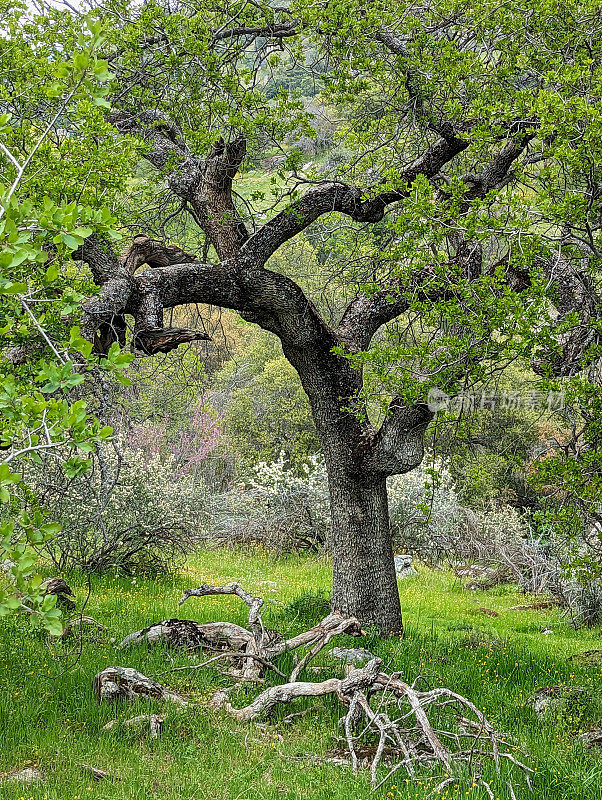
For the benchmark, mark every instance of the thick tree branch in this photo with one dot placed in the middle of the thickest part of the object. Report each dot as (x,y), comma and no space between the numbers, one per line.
(205,183)
(265,703)
(164,139)
(211,197)
(361,205)
(278,30)
(398,446)
(366,314)
(576,295)
(99,256)
(155,254)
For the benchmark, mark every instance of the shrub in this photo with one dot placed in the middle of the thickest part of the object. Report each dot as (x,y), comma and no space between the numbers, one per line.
(581,596)
(424,512)
(284,508)
(277,507)
(128,513)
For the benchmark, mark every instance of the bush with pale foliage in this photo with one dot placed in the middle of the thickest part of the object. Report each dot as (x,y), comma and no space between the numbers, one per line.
(130,513)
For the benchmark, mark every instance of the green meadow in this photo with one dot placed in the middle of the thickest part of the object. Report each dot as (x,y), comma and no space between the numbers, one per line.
(49,718)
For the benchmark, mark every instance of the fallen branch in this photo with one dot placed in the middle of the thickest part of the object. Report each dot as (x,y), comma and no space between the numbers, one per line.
(154,722)
(79,622)
(97,774)
(387,720)
(265,703)
(188,635)
(400,726)
(255,603)
(256,647)
(328,628)
(124,683)
(231,654)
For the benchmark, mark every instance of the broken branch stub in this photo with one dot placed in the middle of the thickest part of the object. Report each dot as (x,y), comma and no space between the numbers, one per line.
(163,340)
(124,683)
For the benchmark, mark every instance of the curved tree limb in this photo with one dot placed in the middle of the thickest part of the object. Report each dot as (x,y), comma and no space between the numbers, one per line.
(265,703)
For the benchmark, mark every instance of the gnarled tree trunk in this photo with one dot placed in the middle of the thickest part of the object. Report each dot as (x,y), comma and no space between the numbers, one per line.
(358,459)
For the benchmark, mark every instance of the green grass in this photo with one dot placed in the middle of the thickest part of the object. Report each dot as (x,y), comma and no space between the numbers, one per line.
(49,717)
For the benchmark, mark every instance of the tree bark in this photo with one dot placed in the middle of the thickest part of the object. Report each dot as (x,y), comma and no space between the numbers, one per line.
(364,580)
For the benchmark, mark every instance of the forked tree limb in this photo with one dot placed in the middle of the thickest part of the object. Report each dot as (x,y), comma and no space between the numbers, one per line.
(254,603)
(256,626)
(333,622)
(343,626)
(417,743)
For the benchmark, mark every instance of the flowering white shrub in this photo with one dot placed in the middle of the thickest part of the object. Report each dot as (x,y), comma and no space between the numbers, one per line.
(284,508)
(128,513)
(277,507)
(423,508)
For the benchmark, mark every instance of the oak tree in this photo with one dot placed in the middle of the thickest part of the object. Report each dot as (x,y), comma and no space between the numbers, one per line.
(466,216)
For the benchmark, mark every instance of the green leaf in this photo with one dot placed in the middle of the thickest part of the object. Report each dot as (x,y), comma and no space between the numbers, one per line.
(52,623)
(72,242)
(52,273)
(48,603)
(8,287)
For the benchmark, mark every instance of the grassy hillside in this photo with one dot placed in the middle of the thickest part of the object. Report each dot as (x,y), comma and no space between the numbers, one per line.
(49,718)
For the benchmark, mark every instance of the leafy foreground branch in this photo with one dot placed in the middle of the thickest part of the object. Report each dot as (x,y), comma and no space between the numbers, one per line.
(386,723)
